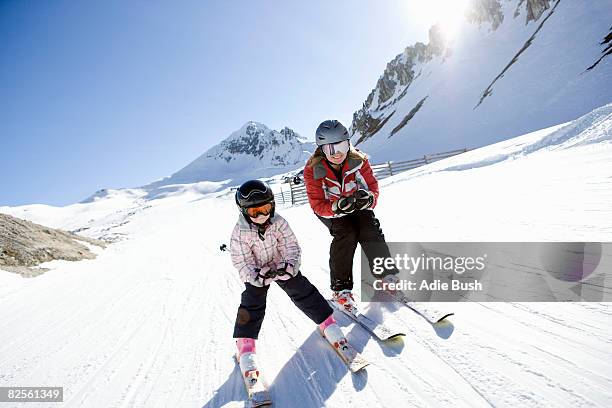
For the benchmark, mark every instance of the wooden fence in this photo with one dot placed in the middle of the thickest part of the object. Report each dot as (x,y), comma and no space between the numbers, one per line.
(391,168)
(284,197)
(297,192)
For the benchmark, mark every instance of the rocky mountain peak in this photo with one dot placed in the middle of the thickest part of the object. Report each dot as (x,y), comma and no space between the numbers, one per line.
(404,69)
(395,81)
(255,139)
(254,150)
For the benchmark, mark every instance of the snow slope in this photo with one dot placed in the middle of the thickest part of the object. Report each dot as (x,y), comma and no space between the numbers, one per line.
(534,75)
(148,323)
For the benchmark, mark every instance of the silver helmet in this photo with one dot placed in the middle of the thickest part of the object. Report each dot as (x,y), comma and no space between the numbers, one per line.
(331,131)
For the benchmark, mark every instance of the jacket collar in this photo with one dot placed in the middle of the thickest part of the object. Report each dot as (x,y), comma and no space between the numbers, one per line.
(321,169)
(244,225)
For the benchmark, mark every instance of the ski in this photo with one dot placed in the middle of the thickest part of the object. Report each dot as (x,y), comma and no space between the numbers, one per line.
(379,330)
(256,388)
(336,339)
(431,314)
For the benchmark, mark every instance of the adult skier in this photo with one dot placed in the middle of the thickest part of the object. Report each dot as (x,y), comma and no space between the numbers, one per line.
(343,191)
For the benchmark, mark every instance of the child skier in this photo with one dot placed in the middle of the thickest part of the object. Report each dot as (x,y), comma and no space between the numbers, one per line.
(265,250)
(342,192)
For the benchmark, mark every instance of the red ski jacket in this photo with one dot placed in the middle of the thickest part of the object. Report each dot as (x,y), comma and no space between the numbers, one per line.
(323,188)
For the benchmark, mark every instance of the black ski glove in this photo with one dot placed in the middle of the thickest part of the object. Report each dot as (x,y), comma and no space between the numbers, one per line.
(259,277)
(265,275)
(344,205)
(363,199)
(286,268)
(285,271)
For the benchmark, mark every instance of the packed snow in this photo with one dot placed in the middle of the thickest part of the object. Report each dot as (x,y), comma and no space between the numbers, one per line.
(149,322)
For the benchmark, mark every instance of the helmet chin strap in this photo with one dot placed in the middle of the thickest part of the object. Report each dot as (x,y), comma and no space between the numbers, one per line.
(261,228)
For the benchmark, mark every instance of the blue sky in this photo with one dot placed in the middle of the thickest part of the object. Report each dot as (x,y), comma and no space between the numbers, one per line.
(111,94)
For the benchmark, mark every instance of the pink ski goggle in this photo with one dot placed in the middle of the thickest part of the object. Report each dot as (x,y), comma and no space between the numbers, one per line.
(332,148)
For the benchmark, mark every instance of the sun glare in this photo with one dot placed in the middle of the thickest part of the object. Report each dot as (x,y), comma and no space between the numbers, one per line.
(452,14)
(448,14)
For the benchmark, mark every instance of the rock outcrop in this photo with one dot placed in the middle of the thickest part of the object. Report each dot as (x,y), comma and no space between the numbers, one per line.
(24,245)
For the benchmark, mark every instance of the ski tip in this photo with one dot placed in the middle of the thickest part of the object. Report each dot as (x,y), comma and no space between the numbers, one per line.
(260,399)
(443,318)
(261,404)
(444,328)
(357,366)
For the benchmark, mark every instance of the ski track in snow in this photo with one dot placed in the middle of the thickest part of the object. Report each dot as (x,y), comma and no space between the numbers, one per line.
(149,322)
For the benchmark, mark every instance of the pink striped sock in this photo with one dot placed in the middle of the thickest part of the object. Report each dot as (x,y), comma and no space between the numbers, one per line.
(328,322)
(245,345)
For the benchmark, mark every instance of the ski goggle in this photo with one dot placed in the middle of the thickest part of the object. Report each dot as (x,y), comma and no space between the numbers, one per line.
(332,148)
(264,209)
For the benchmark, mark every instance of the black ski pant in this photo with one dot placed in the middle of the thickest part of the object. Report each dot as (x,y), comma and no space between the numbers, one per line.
(359,227)
(253,304)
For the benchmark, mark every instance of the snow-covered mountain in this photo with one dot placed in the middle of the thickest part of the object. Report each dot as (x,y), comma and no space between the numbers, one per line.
(515,66)
(254,150)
